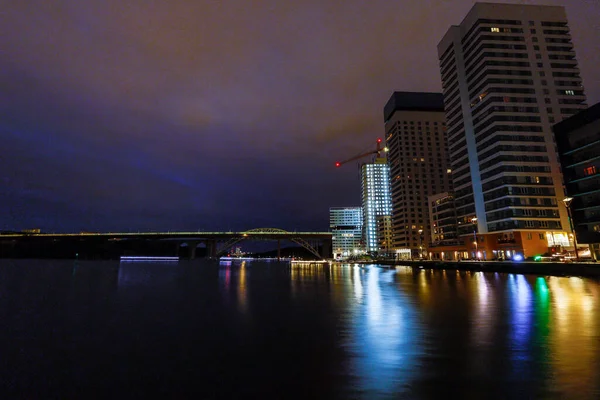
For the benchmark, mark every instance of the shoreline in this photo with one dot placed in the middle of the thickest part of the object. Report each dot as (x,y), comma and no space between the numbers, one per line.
(588,270)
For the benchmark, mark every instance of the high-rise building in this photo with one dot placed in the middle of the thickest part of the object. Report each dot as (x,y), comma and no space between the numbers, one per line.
(578,139)
(384,233)
(376,199)
(509,73)
(443,220)
(346,224)
(419,166)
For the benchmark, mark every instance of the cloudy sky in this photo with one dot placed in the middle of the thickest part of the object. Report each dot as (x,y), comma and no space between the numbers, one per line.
(191,114)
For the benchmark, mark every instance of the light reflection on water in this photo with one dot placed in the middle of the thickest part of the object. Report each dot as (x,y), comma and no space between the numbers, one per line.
(384,338)
(244,329)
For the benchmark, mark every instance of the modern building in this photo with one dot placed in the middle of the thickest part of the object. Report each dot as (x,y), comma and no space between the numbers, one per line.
(375,177)
(445,242)
(419,165)
(384,234)
(578,139)
(509,73)
(346,225)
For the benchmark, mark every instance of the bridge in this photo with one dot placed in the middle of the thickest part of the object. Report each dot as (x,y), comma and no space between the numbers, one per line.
(217,243)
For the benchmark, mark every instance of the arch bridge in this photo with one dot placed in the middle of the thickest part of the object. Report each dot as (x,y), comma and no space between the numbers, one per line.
(272,234)
(217,243)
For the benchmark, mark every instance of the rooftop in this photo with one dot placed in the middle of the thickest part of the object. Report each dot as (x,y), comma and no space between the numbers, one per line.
(413,101)
(582,118)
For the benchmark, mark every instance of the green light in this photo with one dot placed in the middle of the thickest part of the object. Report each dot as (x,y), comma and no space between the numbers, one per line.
(541,284)
(537,258)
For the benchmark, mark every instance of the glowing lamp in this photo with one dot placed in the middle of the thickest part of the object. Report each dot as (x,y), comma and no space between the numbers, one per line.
(338,164)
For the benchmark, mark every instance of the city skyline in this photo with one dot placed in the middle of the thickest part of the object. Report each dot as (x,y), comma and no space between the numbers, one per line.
(207,117)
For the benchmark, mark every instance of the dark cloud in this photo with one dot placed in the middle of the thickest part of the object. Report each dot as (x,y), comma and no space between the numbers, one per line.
(189,114)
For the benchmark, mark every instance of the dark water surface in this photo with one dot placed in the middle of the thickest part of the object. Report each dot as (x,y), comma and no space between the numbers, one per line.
(267,330)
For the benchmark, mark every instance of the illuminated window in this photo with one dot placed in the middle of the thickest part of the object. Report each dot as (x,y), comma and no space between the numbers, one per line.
(494,29)
(570,92)
(589,170)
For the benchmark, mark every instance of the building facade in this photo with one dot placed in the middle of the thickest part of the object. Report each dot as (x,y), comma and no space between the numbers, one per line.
(509,73)
(376,199)
(346,225)
(445,242)
(578,140)
(384,234)
(419,165)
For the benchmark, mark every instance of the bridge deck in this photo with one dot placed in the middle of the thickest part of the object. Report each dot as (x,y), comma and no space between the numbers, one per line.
(170,235)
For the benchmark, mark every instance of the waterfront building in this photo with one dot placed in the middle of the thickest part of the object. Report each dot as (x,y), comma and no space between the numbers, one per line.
(419,165)
(346,225)
(578,139)
(445,242)
(384,233)
(509,72)
(375,178)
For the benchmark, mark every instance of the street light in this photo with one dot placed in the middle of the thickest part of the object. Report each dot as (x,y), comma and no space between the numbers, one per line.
(421,243)
(567,201)
(474,220)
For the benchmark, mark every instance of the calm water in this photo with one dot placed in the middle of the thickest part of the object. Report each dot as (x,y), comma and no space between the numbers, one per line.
(252,330)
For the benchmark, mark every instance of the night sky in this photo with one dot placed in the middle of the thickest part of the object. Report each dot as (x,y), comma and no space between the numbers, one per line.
(211,115)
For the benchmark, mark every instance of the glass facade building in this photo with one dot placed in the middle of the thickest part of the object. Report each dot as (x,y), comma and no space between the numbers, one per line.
(346,225)
(578,141)
(376,199)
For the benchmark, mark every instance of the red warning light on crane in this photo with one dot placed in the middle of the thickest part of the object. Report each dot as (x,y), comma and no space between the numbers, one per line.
(379,140)
(338,164)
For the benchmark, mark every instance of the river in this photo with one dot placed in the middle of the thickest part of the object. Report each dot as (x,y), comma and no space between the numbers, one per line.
(209,330)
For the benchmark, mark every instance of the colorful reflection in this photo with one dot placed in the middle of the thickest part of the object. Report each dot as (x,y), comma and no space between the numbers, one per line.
(521,325)
(397,324)
(544,329)
(485,302)
(385,334)
(242,291)
(575,333)
(233,276)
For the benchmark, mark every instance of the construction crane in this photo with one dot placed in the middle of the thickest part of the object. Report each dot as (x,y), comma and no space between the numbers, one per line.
(377,151)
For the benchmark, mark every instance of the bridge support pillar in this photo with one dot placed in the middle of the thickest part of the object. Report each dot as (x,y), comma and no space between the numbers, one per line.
(278,250)
(211,248)
(192,250)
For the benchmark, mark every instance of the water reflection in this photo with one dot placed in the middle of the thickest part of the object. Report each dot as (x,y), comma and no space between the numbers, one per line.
(385,335)
(521,325)
(575,334)
(242,293)
(327,331)
(233,276)
(483,323)
(357,283)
